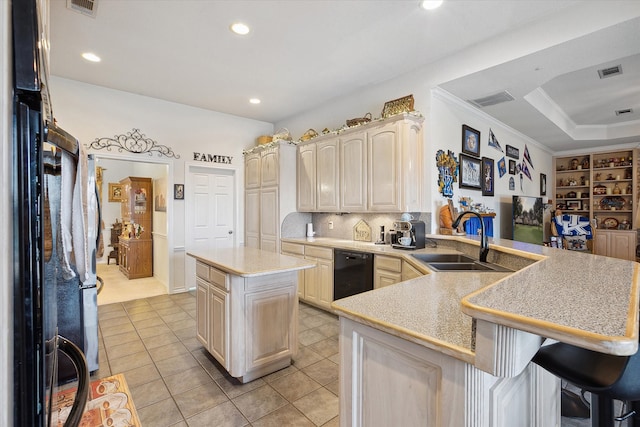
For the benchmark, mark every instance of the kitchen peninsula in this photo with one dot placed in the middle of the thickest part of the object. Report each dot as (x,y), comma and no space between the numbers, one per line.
(247,308)
(454,348)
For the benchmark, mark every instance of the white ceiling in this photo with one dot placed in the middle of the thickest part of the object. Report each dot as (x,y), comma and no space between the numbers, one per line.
(301,54)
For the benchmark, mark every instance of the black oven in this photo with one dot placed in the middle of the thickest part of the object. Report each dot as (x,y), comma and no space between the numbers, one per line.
(352,273)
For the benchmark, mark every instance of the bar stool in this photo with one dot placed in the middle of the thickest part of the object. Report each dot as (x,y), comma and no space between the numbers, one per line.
(607,377)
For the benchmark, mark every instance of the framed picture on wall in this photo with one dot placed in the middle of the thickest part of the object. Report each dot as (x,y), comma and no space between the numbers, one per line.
(115,192)
(470,141)
(543,184)
(512,167)
(470,172)
(178,191)
(488,176)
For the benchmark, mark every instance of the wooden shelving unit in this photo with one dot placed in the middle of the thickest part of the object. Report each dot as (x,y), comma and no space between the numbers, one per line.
(603,187)
(135,252)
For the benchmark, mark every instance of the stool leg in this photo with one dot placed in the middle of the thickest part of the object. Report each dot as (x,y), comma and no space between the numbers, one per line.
(601,411)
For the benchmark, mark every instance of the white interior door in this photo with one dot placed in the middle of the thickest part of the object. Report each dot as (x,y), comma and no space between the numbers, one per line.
(213,224)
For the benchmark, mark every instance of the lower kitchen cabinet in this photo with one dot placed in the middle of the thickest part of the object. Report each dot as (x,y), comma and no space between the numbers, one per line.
(387,271)
(248,324)
(616,243)
(409,271)
(315,285)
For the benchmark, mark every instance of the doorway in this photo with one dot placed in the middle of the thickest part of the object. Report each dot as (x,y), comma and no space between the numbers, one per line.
(115,168)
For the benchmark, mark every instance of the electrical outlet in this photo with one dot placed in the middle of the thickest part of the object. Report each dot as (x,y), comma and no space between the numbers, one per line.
(330,225)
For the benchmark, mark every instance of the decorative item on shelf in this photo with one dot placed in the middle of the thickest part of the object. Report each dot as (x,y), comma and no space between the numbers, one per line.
(561,168)
(616,189)
(585,163)
(612,203)
(137,230)
(610,223)
(559,196)
(397,106)
(610,177)
(359,120)
(561,183)
(571,182)
(574,164)
(600,190)
(325,131)
(598,177)
(310,134)
(627,174)
(571,195)
(629,189)
(264,139)
(624,225)
(282,134)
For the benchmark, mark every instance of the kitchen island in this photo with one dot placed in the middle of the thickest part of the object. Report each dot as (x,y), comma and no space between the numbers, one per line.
(454,348)
(247,308)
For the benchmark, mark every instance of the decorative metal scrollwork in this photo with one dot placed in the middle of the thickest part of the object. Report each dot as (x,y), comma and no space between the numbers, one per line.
(133,142)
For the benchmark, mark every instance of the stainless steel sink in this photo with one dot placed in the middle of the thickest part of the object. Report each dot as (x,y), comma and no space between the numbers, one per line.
(427,258)
(457,262)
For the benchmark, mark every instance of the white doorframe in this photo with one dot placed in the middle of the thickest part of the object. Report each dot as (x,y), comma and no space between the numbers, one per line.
(238,233)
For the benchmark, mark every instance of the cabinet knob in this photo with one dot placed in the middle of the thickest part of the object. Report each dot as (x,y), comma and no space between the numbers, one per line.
(230,231)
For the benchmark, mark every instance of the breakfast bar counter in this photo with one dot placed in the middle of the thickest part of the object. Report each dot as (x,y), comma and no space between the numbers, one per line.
(463,341)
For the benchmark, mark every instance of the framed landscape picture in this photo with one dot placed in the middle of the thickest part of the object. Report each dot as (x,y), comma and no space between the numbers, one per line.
(470,172)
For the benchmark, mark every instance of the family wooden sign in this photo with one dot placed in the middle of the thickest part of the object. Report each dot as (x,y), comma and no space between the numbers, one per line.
(211,158)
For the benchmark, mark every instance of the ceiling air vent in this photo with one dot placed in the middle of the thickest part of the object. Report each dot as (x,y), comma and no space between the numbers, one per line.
(610,72)
(496,98)
(625,111)
(85,7)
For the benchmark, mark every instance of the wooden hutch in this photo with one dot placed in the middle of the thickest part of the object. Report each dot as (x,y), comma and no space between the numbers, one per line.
(135,252)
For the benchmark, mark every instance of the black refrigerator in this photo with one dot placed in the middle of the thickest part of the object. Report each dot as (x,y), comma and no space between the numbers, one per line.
(55,314)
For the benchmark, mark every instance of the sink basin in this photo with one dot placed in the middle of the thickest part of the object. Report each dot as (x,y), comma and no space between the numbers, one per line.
(466,266)
(428,258)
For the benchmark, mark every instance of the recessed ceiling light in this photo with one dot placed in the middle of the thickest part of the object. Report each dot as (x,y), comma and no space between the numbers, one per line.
(240,28)
(431,4)
(91,57)
(254,101)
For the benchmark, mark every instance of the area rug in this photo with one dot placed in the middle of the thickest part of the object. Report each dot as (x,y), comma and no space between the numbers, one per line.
(109,404)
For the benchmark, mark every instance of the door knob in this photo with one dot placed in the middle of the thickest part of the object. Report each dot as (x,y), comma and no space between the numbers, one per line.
(230,231)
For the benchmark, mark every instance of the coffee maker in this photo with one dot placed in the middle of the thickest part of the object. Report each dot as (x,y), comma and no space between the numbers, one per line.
(410,234)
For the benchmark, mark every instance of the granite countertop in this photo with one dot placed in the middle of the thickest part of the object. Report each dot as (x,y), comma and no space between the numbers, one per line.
(587,300)
(250,262)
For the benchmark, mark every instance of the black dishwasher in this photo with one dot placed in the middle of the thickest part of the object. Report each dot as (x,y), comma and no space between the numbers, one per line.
(352,273)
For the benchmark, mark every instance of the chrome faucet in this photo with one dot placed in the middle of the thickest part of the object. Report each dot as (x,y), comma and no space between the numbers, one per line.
(484,246)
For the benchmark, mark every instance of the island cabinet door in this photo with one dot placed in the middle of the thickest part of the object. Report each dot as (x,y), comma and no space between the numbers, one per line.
(219,325)
(271,325)
(202,315)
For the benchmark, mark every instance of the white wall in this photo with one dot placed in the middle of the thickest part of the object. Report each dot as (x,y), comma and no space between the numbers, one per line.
(89,112)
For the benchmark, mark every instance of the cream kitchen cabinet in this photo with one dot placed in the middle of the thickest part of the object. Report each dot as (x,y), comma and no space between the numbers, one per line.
(376,167)
(318,281)
(616,243)
(212,310)
(327,176)
(306,178)
(296,250)
(387,271)
(270,183)
(353,172)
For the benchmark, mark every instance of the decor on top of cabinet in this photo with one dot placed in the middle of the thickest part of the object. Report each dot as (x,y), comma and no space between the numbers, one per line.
(470,141)
(398,106)
(310,134)
(447,165)
(359,120)
(487,176)
(264,139)
(362,231)
(282,134)
(493,142)
(470,172)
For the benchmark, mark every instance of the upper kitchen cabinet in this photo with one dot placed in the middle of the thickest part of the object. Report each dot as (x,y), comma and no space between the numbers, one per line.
(269,193)
(306,178)
(373,167)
